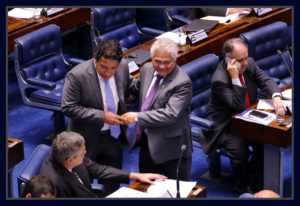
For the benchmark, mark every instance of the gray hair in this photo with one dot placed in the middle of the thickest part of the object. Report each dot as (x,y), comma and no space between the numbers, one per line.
(65,145)
(167,45)
(229,46)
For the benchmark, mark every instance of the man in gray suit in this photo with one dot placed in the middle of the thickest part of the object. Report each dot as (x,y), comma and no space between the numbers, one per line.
(71,172)
(234,87)
(93,99)
(163,123)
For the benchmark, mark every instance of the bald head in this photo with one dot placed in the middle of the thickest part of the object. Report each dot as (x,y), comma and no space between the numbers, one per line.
(266,194)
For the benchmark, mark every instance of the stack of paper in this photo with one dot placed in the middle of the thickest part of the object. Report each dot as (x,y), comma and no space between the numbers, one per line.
(287,94)
(259,120)
(268,104)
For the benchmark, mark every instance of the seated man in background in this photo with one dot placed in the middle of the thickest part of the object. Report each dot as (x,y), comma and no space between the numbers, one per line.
(71,172)
(196,13)
(261,194)
(39,186)
(234,87)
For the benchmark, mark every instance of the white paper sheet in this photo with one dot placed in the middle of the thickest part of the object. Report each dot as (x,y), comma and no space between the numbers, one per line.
(25,13)
(287,94)
(268,103)
(125,192)
(250,118)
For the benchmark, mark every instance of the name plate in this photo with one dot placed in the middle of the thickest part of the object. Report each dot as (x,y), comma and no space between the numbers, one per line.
(51,11)
(197,36)
(262,11)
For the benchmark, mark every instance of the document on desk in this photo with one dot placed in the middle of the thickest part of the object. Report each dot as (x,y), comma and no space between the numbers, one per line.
(125,192)
(169,185)
(247,115)
(223,20)
(170,35)
(287,94)
(25,13)
(268,103)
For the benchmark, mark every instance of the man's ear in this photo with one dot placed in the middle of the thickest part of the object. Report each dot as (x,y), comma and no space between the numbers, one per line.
(28,195)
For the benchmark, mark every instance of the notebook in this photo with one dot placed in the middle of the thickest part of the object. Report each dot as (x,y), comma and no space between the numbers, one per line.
(199,24)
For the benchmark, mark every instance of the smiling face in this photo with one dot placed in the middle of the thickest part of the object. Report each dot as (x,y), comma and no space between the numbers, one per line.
(106,68)
(163,62)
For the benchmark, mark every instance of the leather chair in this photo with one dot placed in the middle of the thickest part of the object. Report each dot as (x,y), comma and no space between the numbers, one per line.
(32,167)
(269,46)
(118,24)
(41,68)
(176,17)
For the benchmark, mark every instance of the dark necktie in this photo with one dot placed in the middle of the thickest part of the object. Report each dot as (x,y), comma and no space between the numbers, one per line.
(248,104)
(146,105)
(77,176)
(110,102)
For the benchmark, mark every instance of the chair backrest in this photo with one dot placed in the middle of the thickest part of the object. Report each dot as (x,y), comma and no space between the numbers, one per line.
(169,13)
(38,54)
(32,166)
(114,23)
(200,71)
(265,44)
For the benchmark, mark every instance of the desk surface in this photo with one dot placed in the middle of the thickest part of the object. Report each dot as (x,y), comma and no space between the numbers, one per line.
(197,192)
(15,152)
(275,133)
(218,35)
(66,19)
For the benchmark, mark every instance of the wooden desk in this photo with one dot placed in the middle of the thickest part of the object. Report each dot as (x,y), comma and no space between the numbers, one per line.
(277,139)
(197,192)
(66,19)
(217,37)
(15,155)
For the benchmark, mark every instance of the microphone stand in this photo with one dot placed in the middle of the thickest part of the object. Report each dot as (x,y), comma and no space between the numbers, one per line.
(183,147)
(281,55)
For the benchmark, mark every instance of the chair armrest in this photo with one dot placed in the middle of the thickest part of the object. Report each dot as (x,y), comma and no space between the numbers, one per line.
(42,83)
(181,20)
(75,61)
(204,123)
(153,32)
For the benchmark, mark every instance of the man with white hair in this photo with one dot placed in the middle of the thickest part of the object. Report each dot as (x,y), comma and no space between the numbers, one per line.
(163,123)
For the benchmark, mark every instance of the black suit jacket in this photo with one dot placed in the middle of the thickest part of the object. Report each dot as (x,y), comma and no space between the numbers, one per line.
(67,185)
(228,99)
(196,13)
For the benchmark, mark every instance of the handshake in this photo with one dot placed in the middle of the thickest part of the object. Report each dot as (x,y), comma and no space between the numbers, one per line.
(114,119)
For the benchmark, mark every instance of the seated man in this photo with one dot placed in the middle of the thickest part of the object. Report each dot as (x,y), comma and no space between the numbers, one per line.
(196,13)
(71,172)
(261,194)
(234,87)
(39,186)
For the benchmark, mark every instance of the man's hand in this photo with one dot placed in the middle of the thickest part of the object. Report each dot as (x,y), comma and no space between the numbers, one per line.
(279,106)
(113,119)
(232,68)
(130,117)
(238,10)
(146,177)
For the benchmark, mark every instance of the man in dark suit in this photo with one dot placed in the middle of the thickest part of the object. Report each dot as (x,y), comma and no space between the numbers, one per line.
(93,99)
(71,172)
(234,88)
(196,13)
(163,123)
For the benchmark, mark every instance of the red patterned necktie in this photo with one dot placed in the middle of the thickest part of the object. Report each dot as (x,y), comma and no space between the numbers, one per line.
(248,104)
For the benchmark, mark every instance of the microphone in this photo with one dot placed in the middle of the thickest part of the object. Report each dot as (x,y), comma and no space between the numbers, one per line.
(288,67)
(183,148)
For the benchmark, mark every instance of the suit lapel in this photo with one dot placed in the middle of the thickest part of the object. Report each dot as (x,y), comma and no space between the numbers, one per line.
(94,82)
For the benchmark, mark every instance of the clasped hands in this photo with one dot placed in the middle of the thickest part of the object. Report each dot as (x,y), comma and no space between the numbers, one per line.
(114,119)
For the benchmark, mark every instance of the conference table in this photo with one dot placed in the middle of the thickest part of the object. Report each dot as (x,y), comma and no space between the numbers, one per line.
(197,192)
(277,139)
(66,19)
(222,32)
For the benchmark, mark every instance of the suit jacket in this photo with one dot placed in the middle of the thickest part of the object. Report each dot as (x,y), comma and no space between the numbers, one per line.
(228,99)
(168,121)
(82,102)
(66,183)
(196,13)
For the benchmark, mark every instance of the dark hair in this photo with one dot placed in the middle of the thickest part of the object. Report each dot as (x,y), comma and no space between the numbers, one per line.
(229,46)
(39,185)
(109,49)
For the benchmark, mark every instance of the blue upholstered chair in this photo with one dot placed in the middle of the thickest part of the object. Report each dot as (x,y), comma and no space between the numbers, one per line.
(32,167)
(41,68)
(176,17)
(265,45)
(118,24)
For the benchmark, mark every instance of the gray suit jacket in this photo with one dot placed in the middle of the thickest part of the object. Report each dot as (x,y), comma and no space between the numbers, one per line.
(82,102)
(67,185)
(168,121)
(228,99)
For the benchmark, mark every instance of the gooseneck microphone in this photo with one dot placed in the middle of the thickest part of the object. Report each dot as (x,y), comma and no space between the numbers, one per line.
(183,148)
(288,67)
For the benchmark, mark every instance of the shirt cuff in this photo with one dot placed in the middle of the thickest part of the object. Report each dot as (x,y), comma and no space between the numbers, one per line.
(236,82)
(276,94)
